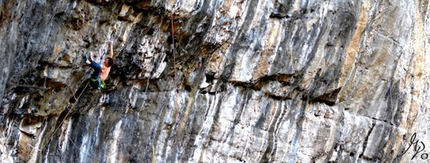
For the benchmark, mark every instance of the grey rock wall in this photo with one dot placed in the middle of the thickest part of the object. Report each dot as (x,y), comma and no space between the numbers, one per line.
(215,81)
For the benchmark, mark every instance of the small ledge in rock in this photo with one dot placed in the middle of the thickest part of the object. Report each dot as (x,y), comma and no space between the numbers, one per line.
(30,125)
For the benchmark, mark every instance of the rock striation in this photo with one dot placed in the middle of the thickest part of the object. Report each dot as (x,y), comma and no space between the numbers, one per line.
(216,81)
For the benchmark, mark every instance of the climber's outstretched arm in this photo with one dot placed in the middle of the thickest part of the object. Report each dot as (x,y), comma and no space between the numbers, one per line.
(111,48)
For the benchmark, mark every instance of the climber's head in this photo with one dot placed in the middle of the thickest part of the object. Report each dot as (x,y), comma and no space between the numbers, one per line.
(108,62)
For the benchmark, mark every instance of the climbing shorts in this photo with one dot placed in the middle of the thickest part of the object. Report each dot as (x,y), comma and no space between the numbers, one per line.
(96,83)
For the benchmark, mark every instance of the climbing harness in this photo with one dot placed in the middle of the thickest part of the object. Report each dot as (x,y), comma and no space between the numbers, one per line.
(96,83)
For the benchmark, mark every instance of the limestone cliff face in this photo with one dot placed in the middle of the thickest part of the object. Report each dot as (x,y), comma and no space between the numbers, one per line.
(216,81)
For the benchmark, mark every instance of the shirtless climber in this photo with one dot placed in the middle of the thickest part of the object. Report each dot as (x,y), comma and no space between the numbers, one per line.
(100,72)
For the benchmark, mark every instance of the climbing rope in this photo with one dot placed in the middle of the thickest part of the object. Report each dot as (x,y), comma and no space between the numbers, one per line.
(62,121)
(73,106)
(176,99)
(173,47)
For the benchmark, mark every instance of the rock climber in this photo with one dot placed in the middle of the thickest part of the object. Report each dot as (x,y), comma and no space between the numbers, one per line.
(100,72)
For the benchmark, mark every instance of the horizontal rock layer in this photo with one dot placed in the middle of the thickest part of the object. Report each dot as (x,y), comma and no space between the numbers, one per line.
(215,81)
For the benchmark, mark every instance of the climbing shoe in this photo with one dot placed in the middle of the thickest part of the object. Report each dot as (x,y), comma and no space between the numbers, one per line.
(86,58)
